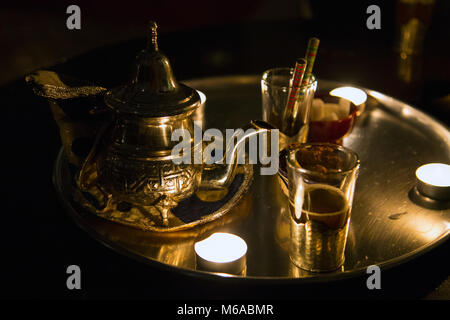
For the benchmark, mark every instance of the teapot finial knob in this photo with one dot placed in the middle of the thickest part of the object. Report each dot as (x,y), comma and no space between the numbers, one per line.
(153,90)
(152,36)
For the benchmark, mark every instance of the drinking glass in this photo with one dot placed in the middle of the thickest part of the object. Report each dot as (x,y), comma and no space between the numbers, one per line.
(275,87)
(322,179)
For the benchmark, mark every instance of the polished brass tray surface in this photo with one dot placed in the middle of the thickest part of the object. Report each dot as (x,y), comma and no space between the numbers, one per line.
(387,227)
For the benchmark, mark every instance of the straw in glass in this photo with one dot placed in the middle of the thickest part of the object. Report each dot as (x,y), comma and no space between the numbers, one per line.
(311,52)
(299,71)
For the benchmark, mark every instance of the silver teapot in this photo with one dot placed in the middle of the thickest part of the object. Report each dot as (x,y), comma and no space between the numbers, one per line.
(131,161)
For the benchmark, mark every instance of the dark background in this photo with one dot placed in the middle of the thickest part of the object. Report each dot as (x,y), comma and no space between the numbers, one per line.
(201,38)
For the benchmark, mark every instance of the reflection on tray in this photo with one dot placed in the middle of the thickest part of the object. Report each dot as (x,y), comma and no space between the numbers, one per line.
(172,248)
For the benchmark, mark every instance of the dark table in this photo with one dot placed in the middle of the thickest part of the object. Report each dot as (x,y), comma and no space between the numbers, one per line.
(42,241)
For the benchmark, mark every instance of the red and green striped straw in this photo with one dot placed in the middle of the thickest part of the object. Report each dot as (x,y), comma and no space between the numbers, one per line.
(299,71)
(311,52)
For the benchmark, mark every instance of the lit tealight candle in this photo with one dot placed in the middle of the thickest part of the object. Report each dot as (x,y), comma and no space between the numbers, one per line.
(434,180)
(355,95)
(221,252)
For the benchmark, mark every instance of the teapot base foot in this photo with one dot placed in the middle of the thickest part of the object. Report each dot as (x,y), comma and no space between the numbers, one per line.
(160,215)
(144,217)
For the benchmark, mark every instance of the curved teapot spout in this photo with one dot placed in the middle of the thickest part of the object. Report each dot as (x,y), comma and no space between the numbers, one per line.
(283,140)
(217,176)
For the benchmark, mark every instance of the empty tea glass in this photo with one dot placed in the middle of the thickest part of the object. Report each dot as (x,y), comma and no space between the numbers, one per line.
(275,87)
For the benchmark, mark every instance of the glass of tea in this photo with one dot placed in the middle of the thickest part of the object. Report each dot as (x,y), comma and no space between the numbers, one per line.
(321,179)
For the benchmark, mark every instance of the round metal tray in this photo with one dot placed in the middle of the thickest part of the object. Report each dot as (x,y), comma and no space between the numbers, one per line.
(388,225)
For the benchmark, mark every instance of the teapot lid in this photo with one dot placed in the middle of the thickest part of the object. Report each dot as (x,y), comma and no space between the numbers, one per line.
(153,90)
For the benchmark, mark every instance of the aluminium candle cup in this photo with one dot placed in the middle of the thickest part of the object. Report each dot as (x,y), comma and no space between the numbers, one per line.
(433,181)
(236,267)
(222,253)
